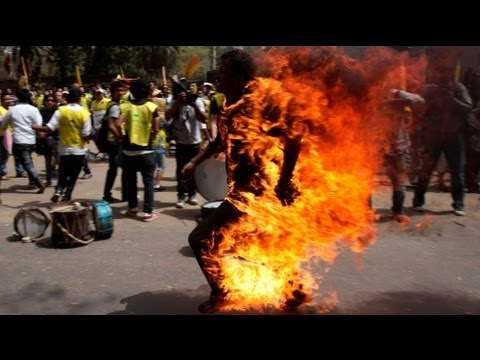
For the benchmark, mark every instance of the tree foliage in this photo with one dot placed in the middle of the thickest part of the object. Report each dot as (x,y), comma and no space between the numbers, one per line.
(105,62)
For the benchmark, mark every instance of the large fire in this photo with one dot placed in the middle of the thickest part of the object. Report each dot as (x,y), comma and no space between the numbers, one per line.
(268,255)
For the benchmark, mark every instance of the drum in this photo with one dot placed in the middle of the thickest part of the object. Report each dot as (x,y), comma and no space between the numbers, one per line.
(211,179)
(209,207)
(103,219)
(71,224)
(31,223)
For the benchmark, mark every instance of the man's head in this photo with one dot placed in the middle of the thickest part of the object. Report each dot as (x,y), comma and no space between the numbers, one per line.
(140,89)
(24,96)
(118,88)
(99,93)
(236,69)
(6,99)
(74,94)
(49,101)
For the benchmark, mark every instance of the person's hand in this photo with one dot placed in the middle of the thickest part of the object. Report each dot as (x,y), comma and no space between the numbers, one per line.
(187,170)
(394,92)
(286,192)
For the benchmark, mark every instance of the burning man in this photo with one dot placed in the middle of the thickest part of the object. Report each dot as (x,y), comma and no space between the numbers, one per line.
(246,164)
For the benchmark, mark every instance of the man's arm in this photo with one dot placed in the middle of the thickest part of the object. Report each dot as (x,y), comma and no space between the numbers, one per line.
(7,119)
(52,124)
(286,190)
(463,100)
(172,111)
(155,125)
(112,117)
(211,149)
(87,129)
(416,101)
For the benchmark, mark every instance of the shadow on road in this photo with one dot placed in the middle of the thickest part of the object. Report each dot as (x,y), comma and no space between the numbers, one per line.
(186,251)
(415,303)
(168,302)
(183,214)
(174,302)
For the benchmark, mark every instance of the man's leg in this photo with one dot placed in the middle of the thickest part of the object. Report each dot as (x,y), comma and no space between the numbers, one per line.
(200,241)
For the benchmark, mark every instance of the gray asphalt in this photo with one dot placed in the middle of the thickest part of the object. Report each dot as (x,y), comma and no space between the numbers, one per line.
(430,266)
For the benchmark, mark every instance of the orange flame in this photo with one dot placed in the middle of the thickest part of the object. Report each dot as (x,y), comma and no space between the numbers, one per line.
(330,100)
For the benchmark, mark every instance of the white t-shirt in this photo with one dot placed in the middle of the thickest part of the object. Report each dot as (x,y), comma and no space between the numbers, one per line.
(22,117)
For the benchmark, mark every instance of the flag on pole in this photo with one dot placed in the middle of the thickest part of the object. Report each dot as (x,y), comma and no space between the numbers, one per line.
(23,81)
(24,68)
(192,66)
(79,78)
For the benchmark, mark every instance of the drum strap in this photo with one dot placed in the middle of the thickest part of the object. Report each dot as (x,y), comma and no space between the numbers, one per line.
(71,236)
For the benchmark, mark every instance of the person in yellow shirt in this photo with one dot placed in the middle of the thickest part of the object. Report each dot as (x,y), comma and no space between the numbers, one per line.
(5,100)
(140,120)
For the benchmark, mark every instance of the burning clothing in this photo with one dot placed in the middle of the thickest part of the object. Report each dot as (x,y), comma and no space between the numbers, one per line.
(254,148)
(258,141)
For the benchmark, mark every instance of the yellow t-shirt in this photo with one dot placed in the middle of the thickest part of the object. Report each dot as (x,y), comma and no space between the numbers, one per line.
(71,126)
(138,121)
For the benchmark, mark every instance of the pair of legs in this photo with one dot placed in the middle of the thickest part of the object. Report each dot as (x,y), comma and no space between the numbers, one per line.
(206,238)
(454,150)
(183,154)
(145,164)
(160,169)
(22,153)
(69,168)
(3,158)
(472,169)
(397,173)
(49,158)
(113,165)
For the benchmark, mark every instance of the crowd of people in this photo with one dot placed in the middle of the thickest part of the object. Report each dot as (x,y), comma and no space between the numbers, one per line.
(60,123)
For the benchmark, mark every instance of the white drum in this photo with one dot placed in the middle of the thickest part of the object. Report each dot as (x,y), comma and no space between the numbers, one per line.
(211,179)
(209,207)
(30,223)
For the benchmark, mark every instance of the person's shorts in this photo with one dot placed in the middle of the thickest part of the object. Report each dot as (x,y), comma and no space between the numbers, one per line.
(160,162)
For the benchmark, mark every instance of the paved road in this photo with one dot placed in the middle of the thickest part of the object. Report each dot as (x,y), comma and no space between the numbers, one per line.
(428,267)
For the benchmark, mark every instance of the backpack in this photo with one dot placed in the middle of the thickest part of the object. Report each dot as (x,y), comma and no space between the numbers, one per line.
(101,135)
